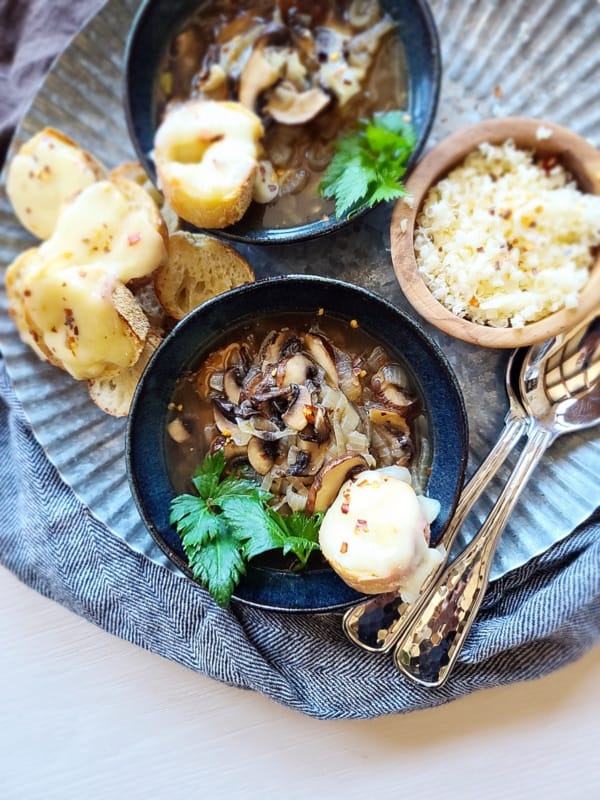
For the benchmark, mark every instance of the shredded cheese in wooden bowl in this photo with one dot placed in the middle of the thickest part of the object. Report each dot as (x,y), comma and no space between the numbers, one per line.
(500,245)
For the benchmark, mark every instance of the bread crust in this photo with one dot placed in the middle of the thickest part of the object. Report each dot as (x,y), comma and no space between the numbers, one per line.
(199,267)
(206,155)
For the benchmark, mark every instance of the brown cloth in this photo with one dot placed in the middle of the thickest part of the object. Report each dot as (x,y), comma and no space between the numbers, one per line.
(32,34)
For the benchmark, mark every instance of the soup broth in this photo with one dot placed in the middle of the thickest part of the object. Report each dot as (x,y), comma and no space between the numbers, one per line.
(318,46)
(285,395)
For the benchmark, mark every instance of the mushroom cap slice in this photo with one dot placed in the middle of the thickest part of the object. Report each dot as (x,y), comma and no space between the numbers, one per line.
(296,415)
(330,479)
(390,418)
(290,107)
(319,350)
(258,74)
(261,455)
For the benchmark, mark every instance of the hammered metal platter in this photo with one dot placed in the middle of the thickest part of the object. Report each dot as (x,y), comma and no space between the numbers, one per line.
(537,59)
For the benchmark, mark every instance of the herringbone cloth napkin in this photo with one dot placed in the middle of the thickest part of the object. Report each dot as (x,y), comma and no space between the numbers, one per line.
(533,621)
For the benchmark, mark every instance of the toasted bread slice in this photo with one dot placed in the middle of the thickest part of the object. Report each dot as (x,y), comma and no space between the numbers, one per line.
(199,268)
(16,274)
(115,224)
(133,171)
(49,169)
(89,322)
(206,158)
(114,395)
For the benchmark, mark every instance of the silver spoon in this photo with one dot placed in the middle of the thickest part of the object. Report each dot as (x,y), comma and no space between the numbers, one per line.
(560,390)
(376,623)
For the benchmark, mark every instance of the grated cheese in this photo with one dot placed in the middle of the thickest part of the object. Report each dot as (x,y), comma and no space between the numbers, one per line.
(503,240)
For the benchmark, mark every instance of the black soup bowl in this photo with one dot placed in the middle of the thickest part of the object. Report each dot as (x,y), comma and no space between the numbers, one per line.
(160,32)
(317,588)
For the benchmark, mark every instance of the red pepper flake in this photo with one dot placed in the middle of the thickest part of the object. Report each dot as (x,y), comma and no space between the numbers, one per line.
(70,322)
(548,163)
(498,91)
(480,249)
(361,526)
(506,214)
(474,302)
(345,508)
(309,414)
(134,238)
(344,547)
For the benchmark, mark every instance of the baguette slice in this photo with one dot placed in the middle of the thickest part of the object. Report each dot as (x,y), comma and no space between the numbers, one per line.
(114,224)
(89,322)
(133,171)
(113,395)
(199,268)
(47,170)
(206,155)
(16,275)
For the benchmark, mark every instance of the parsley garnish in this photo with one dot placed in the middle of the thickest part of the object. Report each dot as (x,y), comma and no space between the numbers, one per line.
(230,522)
(369,163)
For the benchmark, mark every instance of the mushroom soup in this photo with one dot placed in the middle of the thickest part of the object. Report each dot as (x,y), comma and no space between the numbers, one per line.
(310,70)
(301,403)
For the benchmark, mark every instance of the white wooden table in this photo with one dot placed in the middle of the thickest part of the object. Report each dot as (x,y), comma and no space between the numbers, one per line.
(86,716)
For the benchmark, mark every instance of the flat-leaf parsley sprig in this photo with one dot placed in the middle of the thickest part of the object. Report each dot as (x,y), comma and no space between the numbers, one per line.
(230,522)
(369,163)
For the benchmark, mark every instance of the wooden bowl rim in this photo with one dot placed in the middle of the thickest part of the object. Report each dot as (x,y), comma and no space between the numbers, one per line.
(579,156)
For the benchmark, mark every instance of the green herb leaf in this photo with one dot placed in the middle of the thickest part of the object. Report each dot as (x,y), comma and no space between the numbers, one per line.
(219,565)
(230,522)
(369,164)
(298,533)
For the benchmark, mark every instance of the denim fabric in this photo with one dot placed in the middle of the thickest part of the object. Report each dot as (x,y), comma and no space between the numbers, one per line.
(534,620)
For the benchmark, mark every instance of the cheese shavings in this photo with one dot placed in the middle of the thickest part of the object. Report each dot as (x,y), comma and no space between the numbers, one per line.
(504,239)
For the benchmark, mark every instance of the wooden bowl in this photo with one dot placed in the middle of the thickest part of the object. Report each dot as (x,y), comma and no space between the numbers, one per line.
(577,155)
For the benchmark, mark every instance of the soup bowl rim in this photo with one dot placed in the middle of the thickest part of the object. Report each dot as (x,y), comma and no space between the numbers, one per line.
(430,55)
(267,588)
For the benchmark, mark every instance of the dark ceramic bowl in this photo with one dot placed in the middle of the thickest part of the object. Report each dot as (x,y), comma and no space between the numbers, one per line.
(320,588)
(158,21)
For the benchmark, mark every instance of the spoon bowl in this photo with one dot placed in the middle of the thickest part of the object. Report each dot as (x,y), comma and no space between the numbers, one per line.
(560,390)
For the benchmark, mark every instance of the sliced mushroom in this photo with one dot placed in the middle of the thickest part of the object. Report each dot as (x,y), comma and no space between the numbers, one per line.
(309,458)
(231,450)
(262,455)
(347,376)
(290,107)
(319,428)
(226,422)
(232,385)
(258,75)
(296,415)
(331,478)
(386,387)
(389,418)
(320,351)
(276,346)
(294,369)
(218,361)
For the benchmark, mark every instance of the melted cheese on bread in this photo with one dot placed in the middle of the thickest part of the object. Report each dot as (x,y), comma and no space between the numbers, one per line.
(89,321)
(112,224)
(206,154)
(48,170)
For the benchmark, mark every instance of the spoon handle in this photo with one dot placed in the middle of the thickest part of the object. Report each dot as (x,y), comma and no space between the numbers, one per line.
(435,632)
(376,623)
